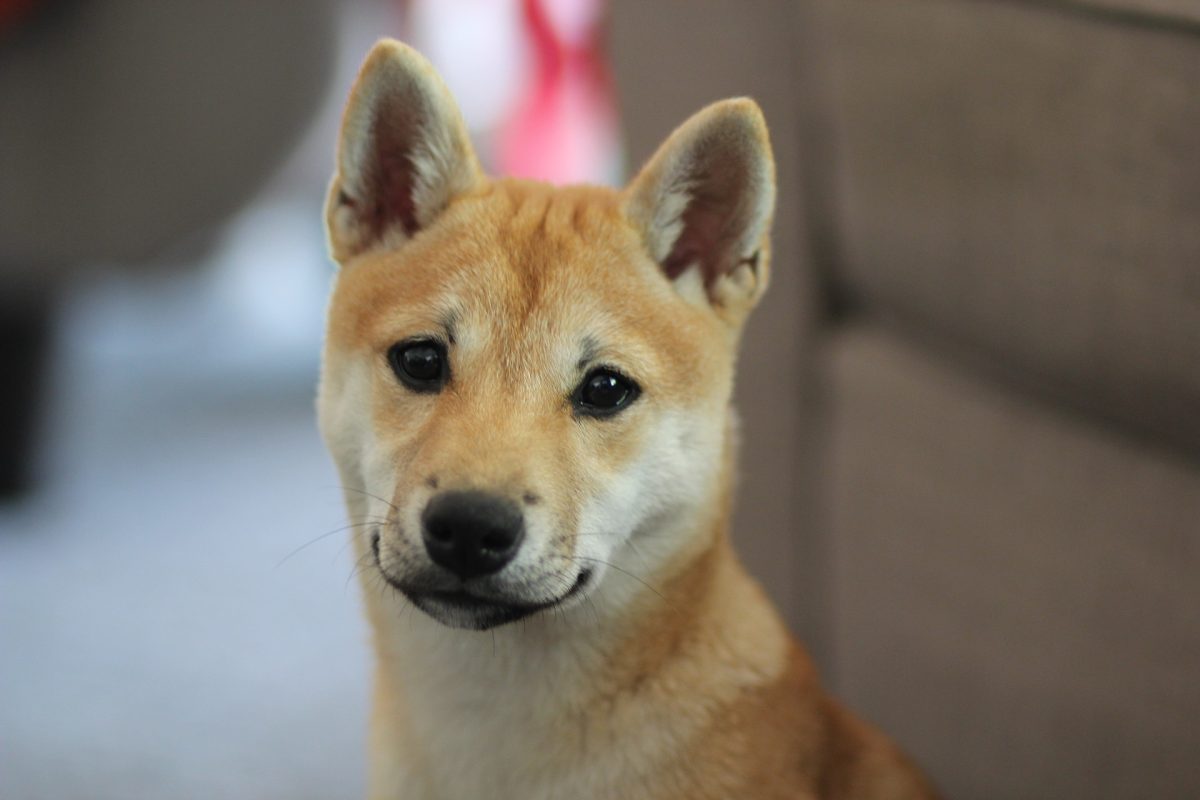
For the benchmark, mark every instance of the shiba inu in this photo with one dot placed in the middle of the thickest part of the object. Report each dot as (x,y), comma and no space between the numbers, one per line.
(527,390)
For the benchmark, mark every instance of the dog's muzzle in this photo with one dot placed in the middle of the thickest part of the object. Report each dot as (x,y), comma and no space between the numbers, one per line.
(469,537)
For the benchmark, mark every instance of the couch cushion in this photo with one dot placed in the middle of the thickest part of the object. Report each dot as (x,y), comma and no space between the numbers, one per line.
(1015,591)
(1024,180)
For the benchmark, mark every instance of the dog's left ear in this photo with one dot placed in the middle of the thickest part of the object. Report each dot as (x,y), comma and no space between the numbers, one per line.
(403,155)
(704,203)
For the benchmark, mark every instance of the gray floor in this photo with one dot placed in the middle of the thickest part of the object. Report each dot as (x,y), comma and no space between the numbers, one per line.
(152,645)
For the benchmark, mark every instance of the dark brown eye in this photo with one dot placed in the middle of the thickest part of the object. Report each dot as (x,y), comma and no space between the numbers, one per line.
(604,392)
(420,365)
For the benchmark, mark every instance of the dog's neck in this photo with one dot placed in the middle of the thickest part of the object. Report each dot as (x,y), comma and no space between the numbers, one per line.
(569,679)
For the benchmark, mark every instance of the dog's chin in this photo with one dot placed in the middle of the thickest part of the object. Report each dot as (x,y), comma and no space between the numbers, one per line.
(464,610)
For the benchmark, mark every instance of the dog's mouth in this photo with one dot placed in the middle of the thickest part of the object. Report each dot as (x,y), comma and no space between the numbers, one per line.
(462,608)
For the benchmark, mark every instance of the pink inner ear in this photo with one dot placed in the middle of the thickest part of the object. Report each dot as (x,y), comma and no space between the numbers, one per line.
(683,256)
(393,190)
(382,191)
(699,242)
(715,214)
(391,176)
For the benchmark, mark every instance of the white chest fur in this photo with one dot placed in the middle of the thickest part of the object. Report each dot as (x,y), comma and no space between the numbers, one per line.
(531,711)
(506,713)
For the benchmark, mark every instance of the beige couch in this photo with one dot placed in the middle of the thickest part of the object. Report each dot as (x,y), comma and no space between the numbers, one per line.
(972,397)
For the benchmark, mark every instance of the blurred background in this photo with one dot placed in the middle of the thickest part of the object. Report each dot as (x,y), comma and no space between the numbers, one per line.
(971,476)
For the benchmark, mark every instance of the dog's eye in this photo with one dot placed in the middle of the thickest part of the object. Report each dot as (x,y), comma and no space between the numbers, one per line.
(604,392)
(420,365)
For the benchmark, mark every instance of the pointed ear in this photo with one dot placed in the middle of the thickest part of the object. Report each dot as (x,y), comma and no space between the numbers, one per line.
(704,202)
(403,154)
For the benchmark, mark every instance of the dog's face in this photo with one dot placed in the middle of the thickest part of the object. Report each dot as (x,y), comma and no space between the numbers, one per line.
(521,382)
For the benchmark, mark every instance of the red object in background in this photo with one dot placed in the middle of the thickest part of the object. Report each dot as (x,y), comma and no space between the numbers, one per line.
(13,11)
(564,129)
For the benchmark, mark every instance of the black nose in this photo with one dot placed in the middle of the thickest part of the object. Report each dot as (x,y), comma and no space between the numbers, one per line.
(472,533)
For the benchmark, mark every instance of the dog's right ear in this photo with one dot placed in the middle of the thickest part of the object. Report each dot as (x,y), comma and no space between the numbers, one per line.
(403,155)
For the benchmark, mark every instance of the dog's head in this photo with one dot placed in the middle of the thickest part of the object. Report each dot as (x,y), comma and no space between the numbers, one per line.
(526,388)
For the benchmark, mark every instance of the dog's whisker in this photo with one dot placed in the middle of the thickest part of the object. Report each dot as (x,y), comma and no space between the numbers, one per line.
(641,557)
(592,606)
(621,570)
(349,541)
(327,534)
(388,503)
(358,569)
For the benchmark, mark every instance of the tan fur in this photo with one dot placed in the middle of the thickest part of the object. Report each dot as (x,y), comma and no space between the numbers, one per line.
(670,675)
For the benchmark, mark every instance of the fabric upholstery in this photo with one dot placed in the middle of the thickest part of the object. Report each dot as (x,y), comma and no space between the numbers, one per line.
(1015,590)
(1023,180)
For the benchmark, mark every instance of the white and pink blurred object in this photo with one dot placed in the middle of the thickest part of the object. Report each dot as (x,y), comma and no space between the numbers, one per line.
(532,81)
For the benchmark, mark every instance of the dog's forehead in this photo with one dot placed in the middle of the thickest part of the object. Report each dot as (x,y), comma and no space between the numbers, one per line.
(544,250)
(518,261)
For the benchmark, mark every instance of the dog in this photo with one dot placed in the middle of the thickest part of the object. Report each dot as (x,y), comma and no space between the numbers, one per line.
(526,390)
